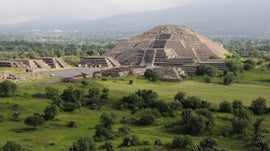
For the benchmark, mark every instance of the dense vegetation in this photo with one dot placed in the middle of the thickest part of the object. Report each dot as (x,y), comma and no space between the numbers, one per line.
(214,110)
(26,49)
(112,114)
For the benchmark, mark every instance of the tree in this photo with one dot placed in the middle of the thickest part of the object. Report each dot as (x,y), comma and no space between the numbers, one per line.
(151,75)
(239,125)
(108,146)
(237,104)
(225,107)
(104,130)
(257,138)
(93,92)
(249,64)
(228,79)
(204,69)
(207,144)
(12,146)
(147,119)
(107,119)
(83,144)
(131,140)
(182,141)
(180,96)
(258,106)
(7,88)
(34,120)
(103,133)
(197,124)
(186,115)
(51,92)
(50,112)
(234,65)
(72,95)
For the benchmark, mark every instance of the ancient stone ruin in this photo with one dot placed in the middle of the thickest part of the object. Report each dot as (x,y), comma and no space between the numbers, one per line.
(34,64)
(33,69)
(168,46)
(98,62)
(177,48)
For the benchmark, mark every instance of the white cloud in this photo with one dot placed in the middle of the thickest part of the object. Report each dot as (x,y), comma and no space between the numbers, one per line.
(12,11)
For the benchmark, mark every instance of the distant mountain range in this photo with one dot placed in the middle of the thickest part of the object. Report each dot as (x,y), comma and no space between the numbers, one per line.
(216,19)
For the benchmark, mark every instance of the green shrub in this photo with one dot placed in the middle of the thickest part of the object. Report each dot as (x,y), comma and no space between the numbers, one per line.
(258,106)
(131,140)
(225,107)
(183,142)
(83,144)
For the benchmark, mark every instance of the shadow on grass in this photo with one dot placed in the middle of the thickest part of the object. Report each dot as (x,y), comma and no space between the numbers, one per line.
(22,130)
(264,80)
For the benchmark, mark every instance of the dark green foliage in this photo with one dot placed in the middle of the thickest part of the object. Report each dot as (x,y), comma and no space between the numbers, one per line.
(240,125)
(208,144)
(131,140)
(2,118)
(214,57)
(180,96)
(148,95)
(151,75)
(234,65)
(204,69)
(11,146)
(104,130)
(104,94)
(197,125)
(146,119)
(132,101)
(34,120)
(83,144)
(72,124)
(192,102)
(249,64)
(242,113)
(107,119)
(93,92)
(84,82)
(157,142)
(258,141)
(225,107)
(124,130)
(207,79)
(69,106)
(50,112)
(237,104)
(130,82)
(183,142)
(72,95)
(141,99)
(103,133)
(7,88)
(186,115)
(208,115)
(258,106)
(108,146)
(51,93)
(165,109)
(228,79)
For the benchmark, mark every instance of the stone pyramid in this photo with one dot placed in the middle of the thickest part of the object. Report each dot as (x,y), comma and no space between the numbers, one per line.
(168,45)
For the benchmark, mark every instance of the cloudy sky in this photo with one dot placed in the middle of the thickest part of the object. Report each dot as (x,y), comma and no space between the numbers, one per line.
(14,11)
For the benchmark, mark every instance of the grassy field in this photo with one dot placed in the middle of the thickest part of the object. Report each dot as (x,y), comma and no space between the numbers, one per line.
(56,136)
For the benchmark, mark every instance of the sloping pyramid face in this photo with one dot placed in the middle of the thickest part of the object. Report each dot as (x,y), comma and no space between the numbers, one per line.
(166,45)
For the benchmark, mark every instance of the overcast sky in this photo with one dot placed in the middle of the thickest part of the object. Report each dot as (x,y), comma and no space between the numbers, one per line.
(14,11)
